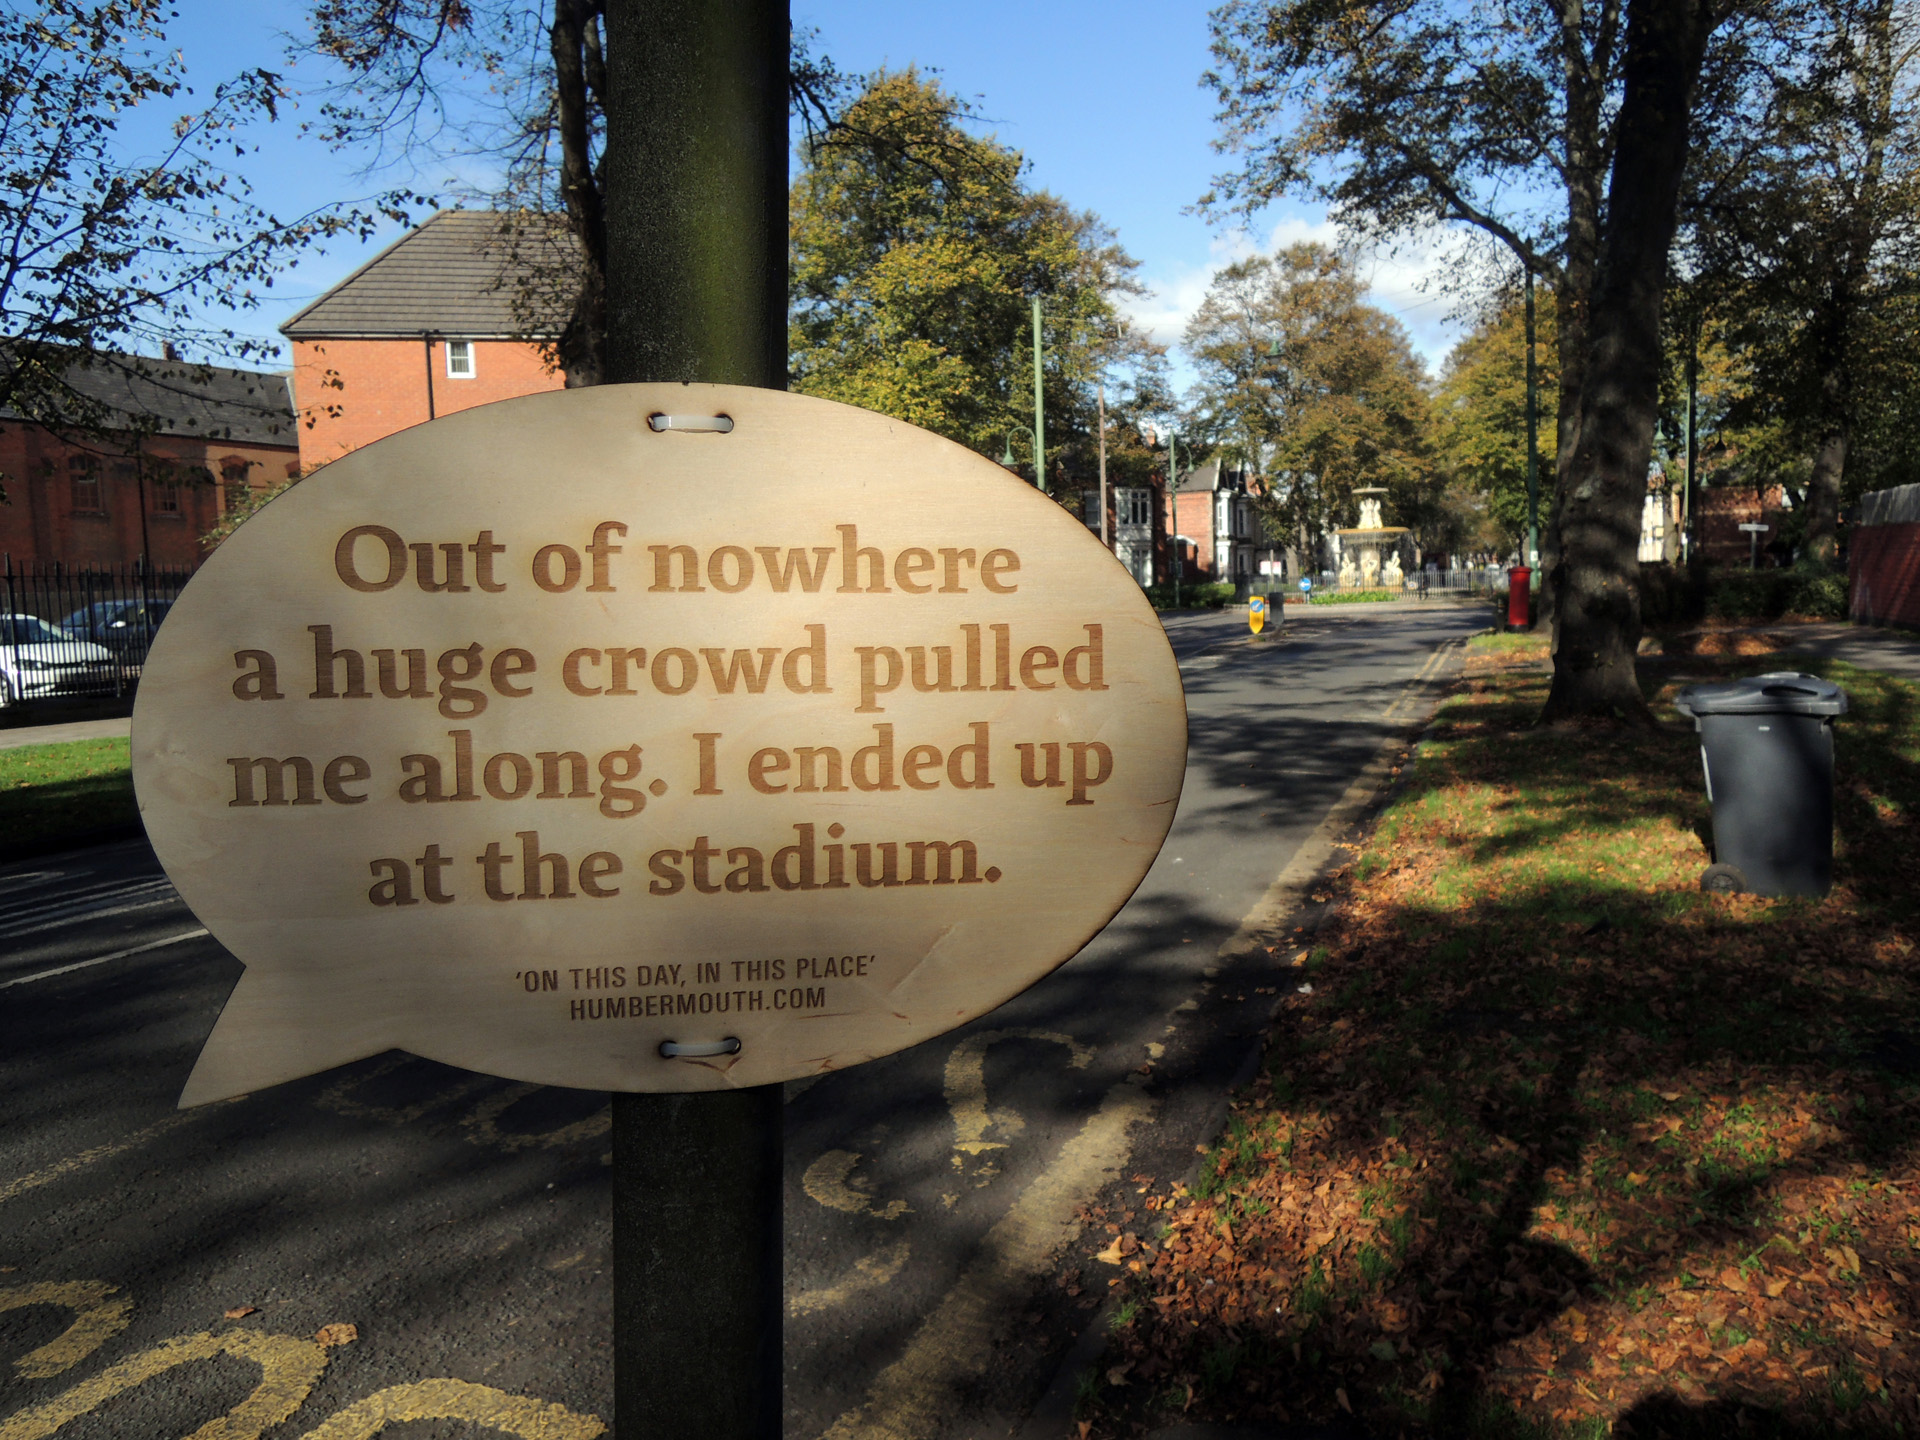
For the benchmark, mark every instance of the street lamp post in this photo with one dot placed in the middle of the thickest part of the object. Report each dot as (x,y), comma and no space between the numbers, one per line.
(1039,406)
(1173,512)
(1100,398)
(1533,439)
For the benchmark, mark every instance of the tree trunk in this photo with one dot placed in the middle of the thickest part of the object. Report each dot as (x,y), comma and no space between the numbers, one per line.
(1823,493)
(1594,581)
(578,66)
(1585,72)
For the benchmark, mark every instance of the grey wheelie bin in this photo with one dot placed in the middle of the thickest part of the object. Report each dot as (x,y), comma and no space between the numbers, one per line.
(1766,744)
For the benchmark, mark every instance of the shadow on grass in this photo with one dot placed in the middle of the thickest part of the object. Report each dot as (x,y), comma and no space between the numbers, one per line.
(36,819)
(1557,1141)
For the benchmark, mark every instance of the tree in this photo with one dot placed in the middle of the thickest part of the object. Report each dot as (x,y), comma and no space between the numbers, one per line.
(1599,504)
(1303,381)
(914,259)
(514,93)
(1803,240)
(1508,117)
(1481,410)
(1492,116)
(103,256)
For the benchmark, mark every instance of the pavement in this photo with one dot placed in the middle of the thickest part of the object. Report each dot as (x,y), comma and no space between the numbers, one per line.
(936,1280)
(1897,652)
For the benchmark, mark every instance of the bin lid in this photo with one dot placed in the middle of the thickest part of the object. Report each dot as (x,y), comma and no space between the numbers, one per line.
(1781,692)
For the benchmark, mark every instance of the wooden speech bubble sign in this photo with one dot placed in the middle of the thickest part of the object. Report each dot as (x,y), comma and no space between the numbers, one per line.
(536,737)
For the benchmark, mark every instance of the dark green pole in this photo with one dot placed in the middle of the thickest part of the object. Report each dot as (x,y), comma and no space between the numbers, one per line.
(696,202)
(1693,440)
(1533,438)
(1039,405)
(1173,513)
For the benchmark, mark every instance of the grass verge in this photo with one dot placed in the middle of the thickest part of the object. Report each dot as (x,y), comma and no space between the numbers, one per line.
(54,795)
(1546,1141)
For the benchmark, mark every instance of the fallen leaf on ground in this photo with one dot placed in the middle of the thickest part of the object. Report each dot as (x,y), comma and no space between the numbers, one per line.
(240,1312)
(338,1333)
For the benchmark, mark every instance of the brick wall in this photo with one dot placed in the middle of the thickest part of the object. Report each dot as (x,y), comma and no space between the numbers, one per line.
(1883,573)
(353,392)
(1194,514)
(1718,514)
(97,521)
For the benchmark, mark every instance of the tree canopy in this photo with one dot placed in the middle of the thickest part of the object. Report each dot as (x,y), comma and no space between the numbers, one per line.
(1319,392)
(1804,238)
(105,254)
(1481,413)
(915,257)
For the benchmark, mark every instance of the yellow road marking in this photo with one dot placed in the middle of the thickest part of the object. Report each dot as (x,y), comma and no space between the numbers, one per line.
(830,1181)
(289,1369)
(338,1097)
(966,1085)
(74,1163)
(514,1415)
(869,1273)
(482,1130)
(100,1312)
(915,1396)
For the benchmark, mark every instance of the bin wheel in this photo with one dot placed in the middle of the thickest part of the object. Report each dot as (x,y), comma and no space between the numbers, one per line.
(1723,880)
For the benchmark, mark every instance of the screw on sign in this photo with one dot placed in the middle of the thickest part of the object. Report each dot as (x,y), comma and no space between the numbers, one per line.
(548,790)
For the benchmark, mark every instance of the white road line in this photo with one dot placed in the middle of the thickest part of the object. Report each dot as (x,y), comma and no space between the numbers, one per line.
(68,893)
(64,917)
(101,959)
(70,898)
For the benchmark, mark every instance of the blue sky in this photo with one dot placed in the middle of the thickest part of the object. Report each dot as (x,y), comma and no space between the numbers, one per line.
(1103,99)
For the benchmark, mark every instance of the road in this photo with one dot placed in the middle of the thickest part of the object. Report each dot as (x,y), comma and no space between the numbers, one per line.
(459,1223)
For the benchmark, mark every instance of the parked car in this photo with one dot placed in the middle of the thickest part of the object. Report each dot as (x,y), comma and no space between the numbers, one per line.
(126,627)
(39,658)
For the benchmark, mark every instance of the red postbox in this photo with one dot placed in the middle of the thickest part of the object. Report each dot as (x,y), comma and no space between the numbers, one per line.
(1520,598)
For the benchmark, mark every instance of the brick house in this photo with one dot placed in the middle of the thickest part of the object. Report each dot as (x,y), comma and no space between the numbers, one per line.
(425,328)
(1720,510)
(1214,525)
(1136,527)
(196,439)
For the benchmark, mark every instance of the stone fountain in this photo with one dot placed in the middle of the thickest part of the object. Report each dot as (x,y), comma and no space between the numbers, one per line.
(1361,565)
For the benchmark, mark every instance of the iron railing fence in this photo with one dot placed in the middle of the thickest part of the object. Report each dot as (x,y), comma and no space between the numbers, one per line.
(1473,580)
(75,630)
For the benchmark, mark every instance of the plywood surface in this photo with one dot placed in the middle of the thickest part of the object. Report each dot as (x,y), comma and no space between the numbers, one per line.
(534,737)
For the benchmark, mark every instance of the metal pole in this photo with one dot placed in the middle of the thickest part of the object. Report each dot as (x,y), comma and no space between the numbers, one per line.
(1693,442)
(1533,439)
(696,206)
(1039,405)
(1173,513)
(1100,395)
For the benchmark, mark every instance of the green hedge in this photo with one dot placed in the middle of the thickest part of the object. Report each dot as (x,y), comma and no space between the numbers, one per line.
(1670,595)
(1352,597)
(1769,594)
(1192,597)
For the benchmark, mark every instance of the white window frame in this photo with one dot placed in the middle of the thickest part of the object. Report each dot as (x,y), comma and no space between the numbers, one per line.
(461,351)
